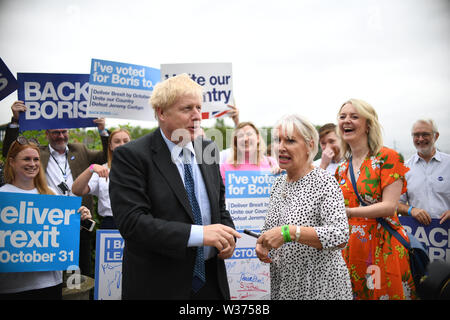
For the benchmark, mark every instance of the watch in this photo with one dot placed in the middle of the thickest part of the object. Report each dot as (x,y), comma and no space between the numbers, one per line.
(297,233)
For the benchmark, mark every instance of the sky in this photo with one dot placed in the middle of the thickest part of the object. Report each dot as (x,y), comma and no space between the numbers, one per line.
(304,56)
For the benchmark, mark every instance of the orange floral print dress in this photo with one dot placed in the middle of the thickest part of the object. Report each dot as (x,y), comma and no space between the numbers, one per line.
(378,263)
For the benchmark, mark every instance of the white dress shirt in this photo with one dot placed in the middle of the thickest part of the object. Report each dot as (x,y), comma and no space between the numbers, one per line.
(331,167)
(99,186)
(428,184)
(58,170)
(196,236)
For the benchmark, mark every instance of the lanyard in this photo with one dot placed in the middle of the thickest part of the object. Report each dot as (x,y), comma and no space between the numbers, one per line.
(64,172)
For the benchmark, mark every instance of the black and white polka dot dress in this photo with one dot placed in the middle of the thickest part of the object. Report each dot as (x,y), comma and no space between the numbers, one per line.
(299,271)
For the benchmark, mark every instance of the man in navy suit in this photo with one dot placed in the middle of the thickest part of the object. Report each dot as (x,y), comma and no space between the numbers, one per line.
(153,204)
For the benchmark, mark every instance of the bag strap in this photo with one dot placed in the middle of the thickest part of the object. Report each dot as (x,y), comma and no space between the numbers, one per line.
(379,220)
(394,233)
(352,178)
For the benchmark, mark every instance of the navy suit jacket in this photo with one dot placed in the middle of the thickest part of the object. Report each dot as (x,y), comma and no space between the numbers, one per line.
(153,214)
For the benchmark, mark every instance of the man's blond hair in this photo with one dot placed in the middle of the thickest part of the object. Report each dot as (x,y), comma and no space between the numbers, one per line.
(168,91)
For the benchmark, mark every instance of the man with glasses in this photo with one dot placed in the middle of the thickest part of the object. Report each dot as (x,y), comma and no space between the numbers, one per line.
(428,194)
(63,162)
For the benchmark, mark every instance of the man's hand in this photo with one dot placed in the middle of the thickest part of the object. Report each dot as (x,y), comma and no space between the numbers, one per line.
(227,252)
(421,215)
(100,123)
(327,157)
(444,216)
(221,237)
(17,108)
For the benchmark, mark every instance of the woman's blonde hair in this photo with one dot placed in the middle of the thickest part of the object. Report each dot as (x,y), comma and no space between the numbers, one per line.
(110,152)
(166,92)
(291,122)
(374,134)
(260,149)
(39,180)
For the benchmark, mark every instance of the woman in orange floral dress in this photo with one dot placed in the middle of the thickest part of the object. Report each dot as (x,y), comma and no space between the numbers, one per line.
(378,263)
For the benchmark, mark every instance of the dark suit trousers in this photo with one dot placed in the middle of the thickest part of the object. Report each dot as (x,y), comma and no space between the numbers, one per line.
(210,291)
(85,253)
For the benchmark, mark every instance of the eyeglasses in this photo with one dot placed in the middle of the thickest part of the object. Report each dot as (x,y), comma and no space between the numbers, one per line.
(23,141)
(57,132)
(424,135)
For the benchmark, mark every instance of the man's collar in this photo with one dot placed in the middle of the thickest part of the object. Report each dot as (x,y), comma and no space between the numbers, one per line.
(54,152)
(176,149)
(437,156)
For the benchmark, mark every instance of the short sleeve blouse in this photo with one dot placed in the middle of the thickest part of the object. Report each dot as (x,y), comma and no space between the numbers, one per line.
(375,173)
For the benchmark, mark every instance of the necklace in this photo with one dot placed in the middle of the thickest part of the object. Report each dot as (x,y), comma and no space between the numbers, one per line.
(357,163)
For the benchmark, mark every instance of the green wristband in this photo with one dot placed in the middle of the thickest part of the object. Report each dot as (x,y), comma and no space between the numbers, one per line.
(286,234)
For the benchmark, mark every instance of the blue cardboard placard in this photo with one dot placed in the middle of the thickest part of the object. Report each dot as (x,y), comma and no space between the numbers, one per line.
(8,82)
(38,232)
(54,101)
(435,237)
(108,265)
(123,75)
(248,184)
(121,90)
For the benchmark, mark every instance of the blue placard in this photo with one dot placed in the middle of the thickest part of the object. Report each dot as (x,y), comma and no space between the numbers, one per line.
(8,83)
(38,232)
(244,253)
(121,90)
(123,75)
(435,237)
(108,265)
(248,184)
(54,101)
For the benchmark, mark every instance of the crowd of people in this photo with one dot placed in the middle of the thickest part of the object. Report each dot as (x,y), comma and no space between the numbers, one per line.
(321,235)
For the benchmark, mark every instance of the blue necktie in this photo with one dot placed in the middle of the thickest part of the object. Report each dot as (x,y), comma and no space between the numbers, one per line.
(199,268)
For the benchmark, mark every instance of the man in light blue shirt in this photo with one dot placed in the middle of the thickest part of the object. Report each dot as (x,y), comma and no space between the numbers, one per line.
(428,180)
(196,237)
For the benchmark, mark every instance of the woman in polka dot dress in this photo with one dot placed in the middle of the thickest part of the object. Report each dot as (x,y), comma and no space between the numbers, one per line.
(306,226)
